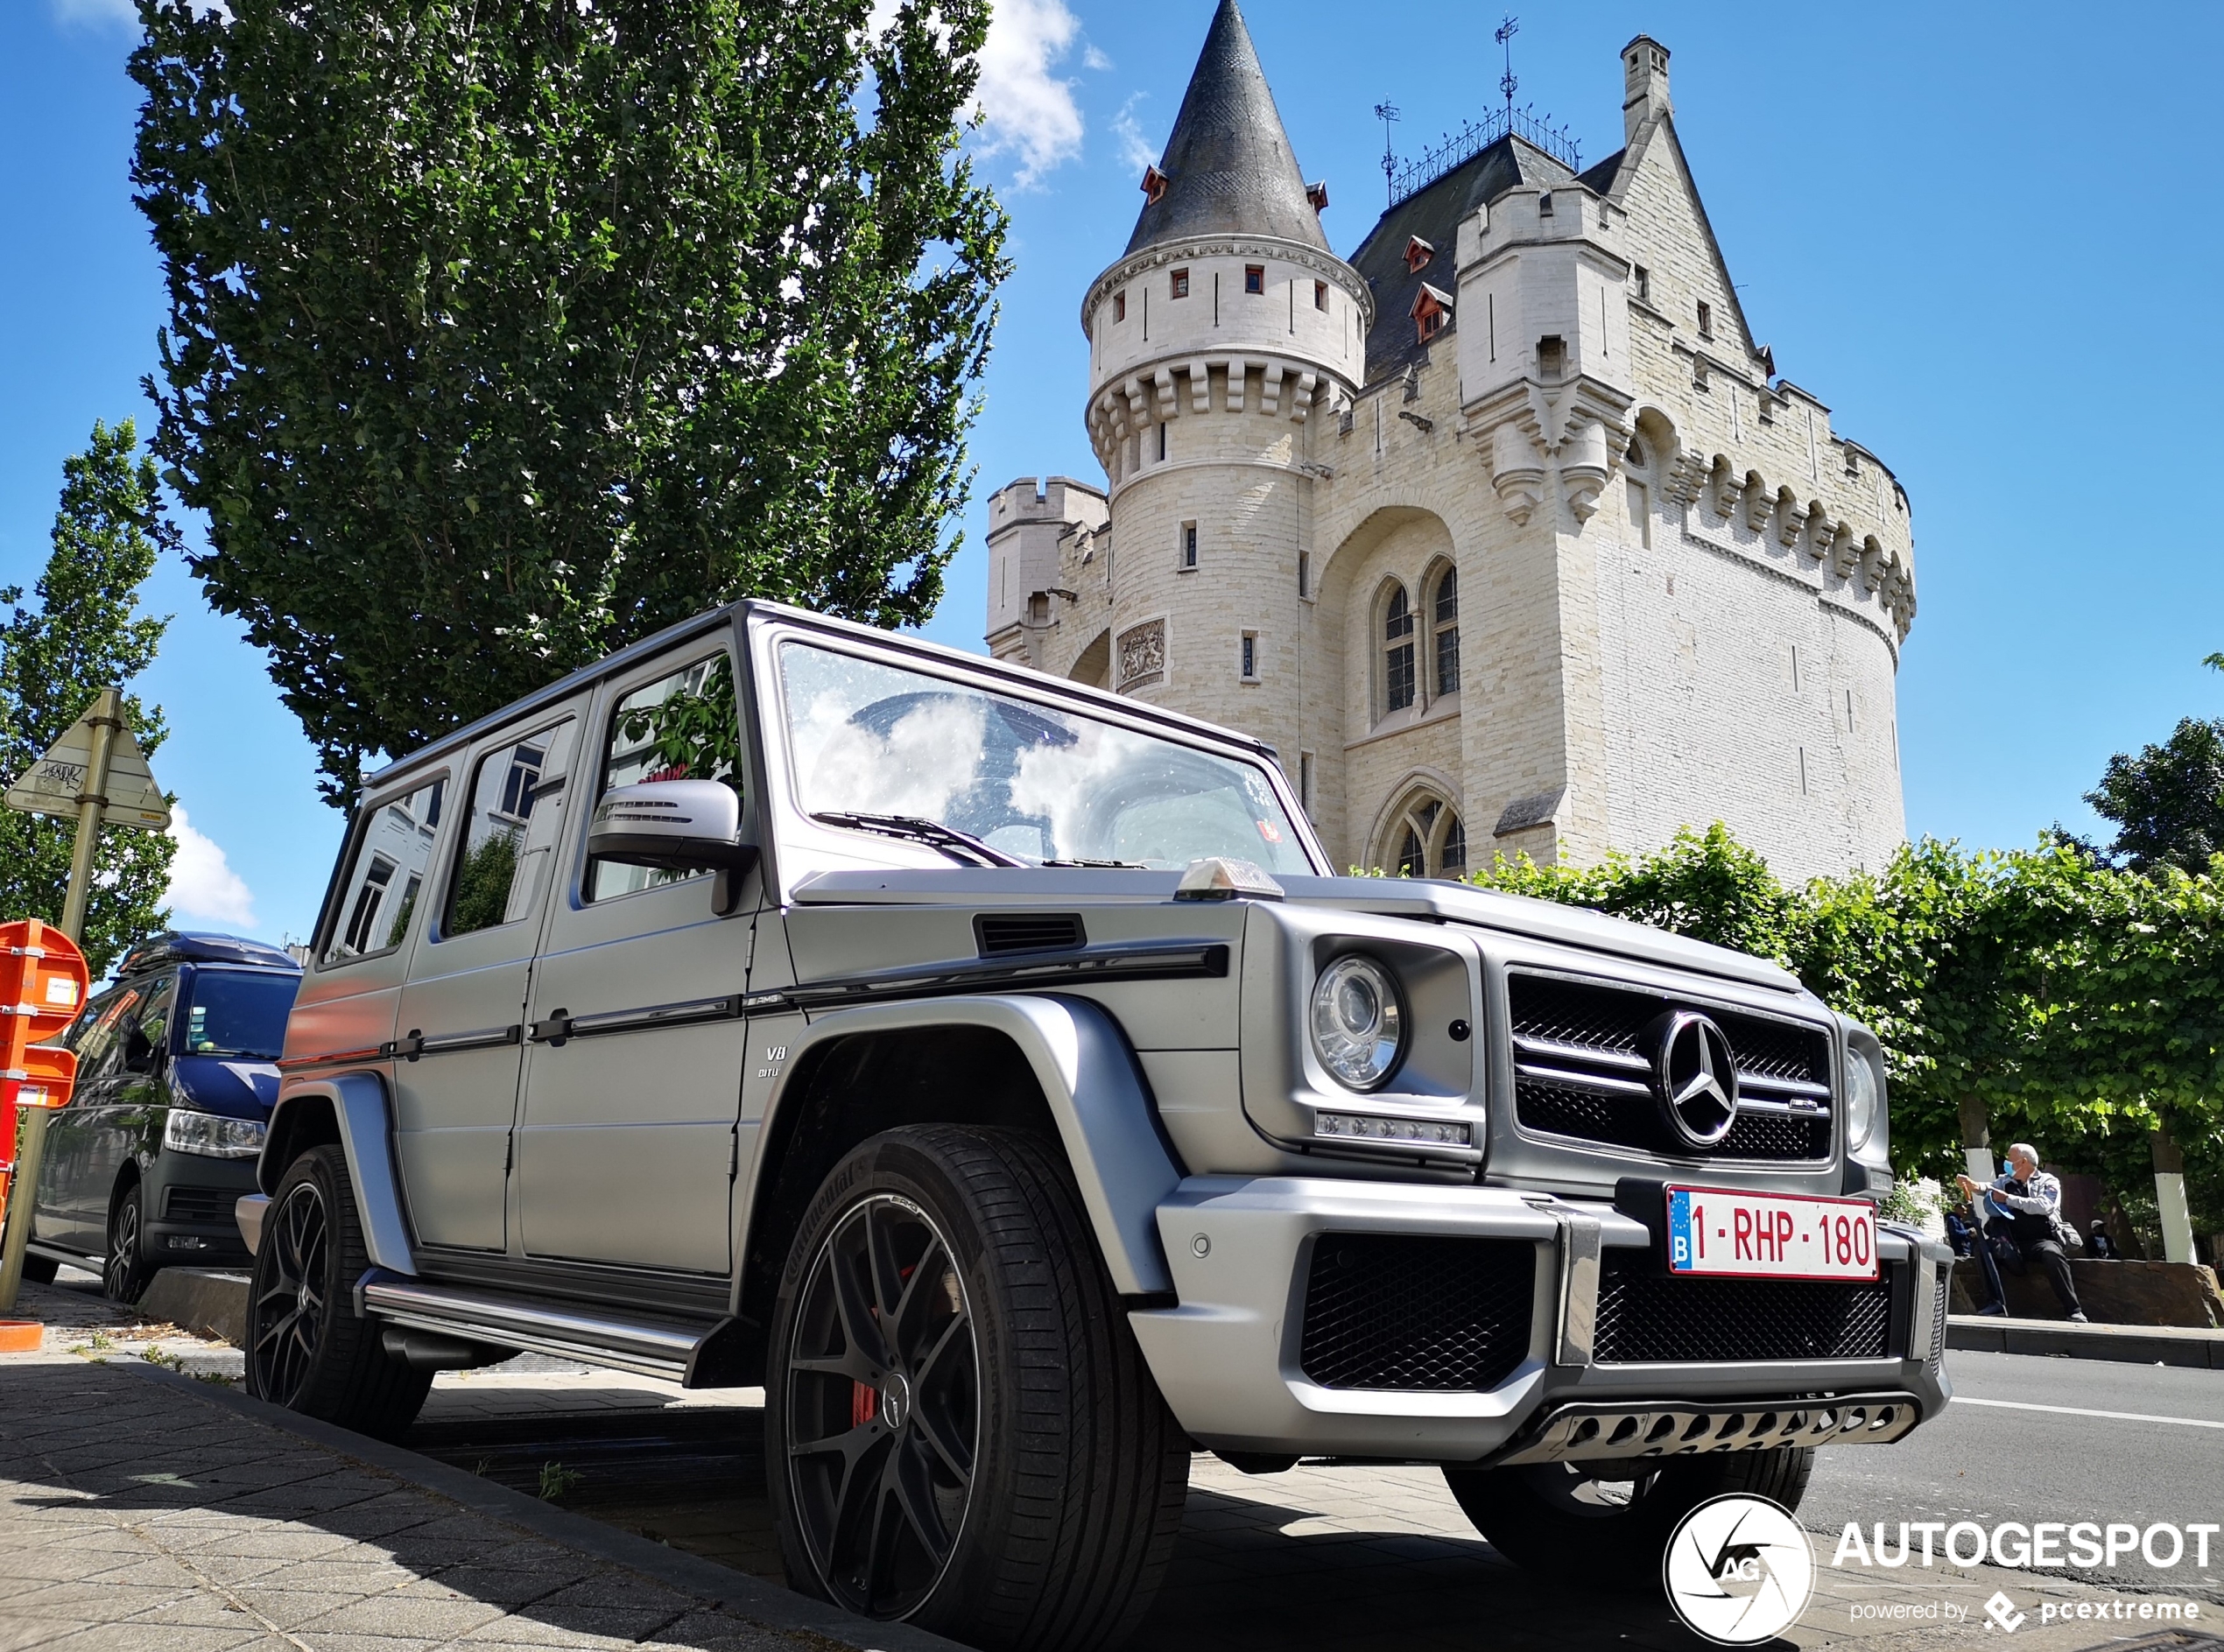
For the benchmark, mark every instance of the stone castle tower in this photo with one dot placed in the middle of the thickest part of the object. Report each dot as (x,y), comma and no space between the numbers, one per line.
(1504,531)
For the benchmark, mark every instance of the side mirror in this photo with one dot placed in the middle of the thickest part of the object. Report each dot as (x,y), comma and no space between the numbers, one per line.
(676,826)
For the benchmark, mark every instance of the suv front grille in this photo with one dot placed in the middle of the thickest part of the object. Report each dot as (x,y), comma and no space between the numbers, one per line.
(1646,1318)
(1578,1072)
(1417,1314)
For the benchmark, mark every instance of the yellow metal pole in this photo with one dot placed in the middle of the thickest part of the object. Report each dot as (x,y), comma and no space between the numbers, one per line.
(107,716)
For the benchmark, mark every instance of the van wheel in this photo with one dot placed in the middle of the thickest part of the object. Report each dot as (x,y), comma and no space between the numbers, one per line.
(1607,1520)
(125,1275)
(961,1430)
(307,1349)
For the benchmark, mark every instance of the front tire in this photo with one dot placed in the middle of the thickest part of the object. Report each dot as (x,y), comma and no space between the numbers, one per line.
(1610,1522)
(961,1430)
(126,1275)
(307,1349)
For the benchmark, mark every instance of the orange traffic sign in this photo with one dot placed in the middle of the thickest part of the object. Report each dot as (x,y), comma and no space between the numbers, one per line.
(42,978)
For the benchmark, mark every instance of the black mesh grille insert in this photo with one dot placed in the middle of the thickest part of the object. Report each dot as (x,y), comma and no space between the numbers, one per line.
(1388,1312)
(1027,933)
(1644,1318)
(1597,1029)
(200,1203)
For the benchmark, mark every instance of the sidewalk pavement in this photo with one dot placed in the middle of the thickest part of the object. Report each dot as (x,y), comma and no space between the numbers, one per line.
(2130,1345)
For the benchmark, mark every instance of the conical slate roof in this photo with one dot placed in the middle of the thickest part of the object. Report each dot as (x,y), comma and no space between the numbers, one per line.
(1228,167)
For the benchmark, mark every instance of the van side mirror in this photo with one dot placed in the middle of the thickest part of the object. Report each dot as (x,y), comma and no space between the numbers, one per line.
(676,826)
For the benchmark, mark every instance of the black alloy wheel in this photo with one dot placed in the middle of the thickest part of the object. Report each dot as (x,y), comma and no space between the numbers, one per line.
(124,1275)
(884,1402)
(289,1298)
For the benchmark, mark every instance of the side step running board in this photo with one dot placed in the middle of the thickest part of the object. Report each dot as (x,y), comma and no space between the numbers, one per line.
(646,1347)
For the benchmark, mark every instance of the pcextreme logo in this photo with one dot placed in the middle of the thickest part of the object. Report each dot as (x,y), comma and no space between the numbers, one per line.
(1739,1570)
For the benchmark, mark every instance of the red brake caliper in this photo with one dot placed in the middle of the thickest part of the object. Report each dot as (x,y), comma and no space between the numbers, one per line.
(865,1405)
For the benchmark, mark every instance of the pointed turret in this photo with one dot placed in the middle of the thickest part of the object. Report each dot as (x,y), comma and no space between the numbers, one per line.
(1229,168)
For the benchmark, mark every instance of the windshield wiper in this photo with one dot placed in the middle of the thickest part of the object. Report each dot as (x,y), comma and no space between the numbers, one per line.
(1106,866)
(961,845)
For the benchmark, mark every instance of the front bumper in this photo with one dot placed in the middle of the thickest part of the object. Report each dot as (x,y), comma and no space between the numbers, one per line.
(190,1198)
(1227,1357)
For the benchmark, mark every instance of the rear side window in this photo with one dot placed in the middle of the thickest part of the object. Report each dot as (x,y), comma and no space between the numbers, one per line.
(494,881)
(386,875)
(682,726)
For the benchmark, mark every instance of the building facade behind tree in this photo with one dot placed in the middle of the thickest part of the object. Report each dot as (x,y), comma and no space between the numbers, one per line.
(1504,530)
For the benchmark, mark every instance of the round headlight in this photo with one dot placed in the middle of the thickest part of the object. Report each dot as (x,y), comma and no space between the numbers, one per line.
(1358,1030)
(1864,1098)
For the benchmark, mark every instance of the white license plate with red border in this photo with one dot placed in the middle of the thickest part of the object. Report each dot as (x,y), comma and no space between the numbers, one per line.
(1719,1230)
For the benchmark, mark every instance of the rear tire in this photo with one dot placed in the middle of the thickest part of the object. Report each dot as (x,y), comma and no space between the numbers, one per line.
(126,1274)
(307,1349)
(998,1466)
(1608,1522)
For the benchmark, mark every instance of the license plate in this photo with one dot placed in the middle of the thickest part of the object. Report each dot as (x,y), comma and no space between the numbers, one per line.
(1713,1230)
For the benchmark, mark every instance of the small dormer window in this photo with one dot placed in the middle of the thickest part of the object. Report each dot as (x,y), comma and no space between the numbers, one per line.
(1321,295)
(1154,185)
(1318,195)
(1418,253)
(1119,306)
(1181,284)
(1706,320)
(1432,309)
(1254,277)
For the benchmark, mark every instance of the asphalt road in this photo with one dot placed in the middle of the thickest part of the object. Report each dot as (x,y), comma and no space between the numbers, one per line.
(1994,1462)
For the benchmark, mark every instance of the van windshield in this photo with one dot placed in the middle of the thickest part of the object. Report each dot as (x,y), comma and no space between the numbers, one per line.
(1034,784)
(239,1014)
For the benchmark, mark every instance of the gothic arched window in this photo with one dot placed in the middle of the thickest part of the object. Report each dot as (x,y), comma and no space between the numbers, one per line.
(1445,624)
(1427,838)
(1397,651)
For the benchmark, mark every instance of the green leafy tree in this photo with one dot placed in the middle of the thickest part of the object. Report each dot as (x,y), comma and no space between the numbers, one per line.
(504,332)
(2167,801)
(84,634)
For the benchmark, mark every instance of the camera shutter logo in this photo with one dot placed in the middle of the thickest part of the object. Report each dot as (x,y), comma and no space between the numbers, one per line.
(1739,1570)
(1694,1076)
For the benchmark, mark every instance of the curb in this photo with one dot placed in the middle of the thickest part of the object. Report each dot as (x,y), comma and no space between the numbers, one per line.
(706,1580)
(2127,1344)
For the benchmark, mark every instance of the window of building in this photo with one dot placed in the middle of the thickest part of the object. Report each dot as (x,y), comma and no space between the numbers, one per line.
(1154,185)
(1254,277)
(1317,194)
(385,872)
(1706,320)
(1397,652)
(1645,282)
(1321,295)
(1119,306)
(1417,253)
(1250,657)
(1305,780)
(1304,573)
(1445,621)
(1551,356)
(683,726)
(1161,443)
(1186,546)
(1544,205)
(1181,284)
(1427,838)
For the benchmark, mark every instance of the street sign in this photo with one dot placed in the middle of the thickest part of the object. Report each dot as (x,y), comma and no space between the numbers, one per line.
(42,986)
(55,784)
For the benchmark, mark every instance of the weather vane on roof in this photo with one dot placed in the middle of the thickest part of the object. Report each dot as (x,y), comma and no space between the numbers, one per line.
(1507,83)
(1386,112)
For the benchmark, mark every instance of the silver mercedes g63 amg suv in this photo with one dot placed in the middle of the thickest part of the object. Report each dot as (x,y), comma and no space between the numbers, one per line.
(994,1070)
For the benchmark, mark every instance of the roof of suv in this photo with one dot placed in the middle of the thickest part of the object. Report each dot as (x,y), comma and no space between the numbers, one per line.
(1020,676)
(193,946)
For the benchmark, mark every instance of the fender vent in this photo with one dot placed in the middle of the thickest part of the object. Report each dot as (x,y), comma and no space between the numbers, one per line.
(1005,933)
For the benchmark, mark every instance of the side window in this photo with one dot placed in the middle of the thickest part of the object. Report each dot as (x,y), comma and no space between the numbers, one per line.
(97,1038)
(683,726)
(149,1033)
(386,875)
(513,795)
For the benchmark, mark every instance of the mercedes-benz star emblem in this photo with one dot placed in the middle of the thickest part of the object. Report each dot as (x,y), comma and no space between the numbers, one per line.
(1694,1076)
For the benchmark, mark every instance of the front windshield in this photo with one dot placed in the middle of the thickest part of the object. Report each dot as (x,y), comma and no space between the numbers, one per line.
(1039,783)
(239,1014)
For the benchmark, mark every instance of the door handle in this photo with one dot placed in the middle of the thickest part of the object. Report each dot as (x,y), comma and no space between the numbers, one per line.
(554,1030)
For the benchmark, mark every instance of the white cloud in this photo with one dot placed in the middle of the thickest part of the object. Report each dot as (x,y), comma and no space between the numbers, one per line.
(1093,58)
(1136,150)
(202,883)
(96,12)
(1030,111)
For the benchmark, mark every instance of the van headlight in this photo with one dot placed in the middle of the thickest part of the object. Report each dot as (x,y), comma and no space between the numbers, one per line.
(1358,1027)
(212,1135)
(1864,1094)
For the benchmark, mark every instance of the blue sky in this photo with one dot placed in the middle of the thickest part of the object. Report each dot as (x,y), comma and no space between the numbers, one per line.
(1986,235)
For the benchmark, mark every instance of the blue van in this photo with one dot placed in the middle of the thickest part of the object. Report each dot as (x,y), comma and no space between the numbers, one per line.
(177,1068)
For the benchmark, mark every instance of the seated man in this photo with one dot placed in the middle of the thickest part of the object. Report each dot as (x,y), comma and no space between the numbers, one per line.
(2099,1245)
(2020,1210)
